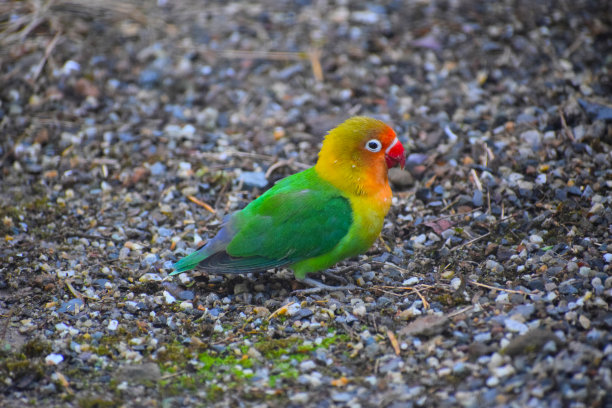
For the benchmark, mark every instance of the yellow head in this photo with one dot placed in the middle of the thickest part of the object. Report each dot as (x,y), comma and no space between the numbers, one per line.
(357,154)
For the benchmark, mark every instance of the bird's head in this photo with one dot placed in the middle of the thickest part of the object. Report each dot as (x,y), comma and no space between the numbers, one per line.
(363,140)
(360,148)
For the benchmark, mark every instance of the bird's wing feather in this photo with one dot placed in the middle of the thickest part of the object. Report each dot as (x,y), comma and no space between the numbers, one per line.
(292,224)
(301,217)
(222,262)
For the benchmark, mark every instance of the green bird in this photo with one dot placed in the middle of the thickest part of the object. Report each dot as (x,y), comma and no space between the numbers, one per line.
(313,219)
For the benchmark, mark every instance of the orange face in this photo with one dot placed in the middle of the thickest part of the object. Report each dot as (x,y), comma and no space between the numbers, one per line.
(383,143)
(357,155)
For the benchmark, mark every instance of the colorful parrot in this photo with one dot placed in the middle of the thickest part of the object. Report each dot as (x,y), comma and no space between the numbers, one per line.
(313,219)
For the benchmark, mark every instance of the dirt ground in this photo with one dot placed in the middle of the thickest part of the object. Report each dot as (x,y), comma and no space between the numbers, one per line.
(129,129)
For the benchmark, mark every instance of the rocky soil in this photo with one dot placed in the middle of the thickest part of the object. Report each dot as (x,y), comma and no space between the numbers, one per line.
(129,129)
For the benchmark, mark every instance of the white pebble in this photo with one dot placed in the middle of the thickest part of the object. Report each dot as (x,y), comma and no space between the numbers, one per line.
(293,309)
(541,179)
(419,239)
(455,283)
(150,259)
(301,398)
(54,359)
(536,239)
(186,305)
(65,274)
(169,298)
(69,67)
(503,371)
(150,277)
(515,326)
(495,361)
(307,365)
(188,131)
(411,281)
(112,325)
(184,278)
(359,310)
(492,381)
(502,298)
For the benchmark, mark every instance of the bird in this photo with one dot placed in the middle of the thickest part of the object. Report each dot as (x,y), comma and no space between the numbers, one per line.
(313,219)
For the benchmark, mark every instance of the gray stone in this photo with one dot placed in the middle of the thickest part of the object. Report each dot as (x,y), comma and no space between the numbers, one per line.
(139,374)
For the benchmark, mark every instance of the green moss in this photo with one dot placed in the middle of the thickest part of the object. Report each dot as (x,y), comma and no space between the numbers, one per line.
(214,393)
(230,370)
(36,348)
(19,367)
(449,299)
(11,212)
(175,353)
(284,371)
(39,204)
(273,348)
(96,403)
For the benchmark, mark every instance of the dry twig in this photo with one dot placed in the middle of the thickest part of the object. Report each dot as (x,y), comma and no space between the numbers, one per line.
(48,51)
(471,241)
(280,311)
(520,292)
(566,129)
(201,204)
(394,342)
(415,290)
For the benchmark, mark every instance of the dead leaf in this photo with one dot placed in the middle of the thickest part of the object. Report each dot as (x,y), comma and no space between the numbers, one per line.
(439,226)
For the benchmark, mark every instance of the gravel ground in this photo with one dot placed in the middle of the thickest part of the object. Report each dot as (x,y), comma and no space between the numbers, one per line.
(129,129)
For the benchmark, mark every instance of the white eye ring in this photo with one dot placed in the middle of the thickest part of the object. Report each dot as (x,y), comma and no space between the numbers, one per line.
(373,145)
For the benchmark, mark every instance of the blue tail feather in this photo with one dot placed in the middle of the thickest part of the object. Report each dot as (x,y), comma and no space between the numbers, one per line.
(189,262)
(218,243)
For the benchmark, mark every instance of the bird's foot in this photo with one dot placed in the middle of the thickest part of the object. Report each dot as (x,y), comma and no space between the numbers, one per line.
(332,275)
(319,287)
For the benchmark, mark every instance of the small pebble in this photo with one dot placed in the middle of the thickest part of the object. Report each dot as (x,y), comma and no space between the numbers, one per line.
(186,305)
(584,322)
(307,365)
(169,298)
(536,239)
(515,326)
(503,371)
(253,179)
(54,359)
(455,283)
(112,325)
(492,381)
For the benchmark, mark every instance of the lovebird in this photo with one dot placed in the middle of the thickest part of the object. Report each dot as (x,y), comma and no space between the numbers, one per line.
(313,219)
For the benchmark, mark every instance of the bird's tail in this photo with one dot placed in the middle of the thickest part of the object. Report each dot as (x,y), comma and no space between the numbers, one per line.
(218,243)
(189,262)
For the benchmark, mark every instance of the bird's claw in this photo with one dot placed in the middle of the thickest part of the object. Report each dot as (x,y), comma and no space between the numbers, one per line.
(332,275)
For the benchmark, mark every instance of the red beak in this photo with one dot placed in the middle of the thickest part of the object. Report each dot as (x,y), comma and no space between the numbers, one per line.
(395,154)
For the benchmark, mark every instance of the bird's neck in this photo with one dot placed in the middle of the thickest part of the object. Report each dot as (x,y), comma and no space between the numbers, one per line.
(354,177)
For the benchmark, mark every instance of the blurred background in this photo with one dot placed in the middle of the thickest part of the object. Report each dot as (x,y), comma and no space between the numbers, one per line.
(128,129)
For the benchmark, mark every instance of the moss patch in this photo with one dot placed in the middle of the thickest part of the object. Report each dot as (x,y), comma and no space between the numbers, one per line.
(233,369)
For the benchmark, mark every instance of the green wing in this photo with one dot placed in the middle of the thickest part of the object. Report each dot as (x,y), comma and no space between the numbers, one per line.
(299,218)
(292,225)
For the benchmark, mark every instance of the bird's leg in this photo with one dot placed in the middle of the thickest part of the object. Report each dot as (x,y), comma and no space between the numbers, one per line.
(332,275)
(319,287)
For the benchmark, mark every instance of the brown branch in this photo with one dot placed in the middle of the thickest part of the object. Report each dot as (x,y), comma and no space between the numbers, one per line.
(48,51)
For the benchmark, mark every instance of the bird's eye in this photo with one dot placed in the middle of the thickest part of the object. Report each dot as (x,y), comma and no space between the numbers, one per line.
(374,145)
